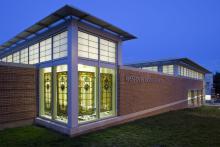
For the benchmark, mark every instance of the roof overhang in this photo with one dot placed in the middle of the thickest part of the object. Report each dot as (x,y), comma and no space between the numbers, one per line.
(62,13)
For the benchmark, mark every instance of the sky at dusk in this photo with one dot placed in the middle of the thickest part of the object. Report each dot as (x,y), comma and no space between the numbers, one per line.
(165,28)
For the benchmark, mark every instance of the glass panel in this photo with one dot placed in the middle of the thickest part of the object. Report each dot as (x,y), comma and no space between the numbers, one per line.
(34,54)
(62,100)
(60,45)
(107,99)
(87,93)
(9,58)
(46,92)
(16,57)
(45,50)
(151,68)
(189,98)
(107,51)
(88,46)
(4,59)
(24,56)
(168,69)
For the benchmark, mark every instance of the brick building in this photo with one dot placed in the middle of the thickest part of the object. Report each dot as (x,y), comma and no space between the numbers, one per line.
(65,73)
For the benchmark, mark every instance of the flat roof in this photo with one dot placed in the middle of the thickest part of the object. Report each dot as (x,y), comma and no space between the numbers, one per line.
(169,61)
(61,13)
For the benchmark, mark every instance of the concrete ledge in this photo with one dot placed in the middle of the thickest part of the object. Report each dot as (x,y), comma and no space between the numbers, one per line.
(52,125)
(16,65)
(16,124)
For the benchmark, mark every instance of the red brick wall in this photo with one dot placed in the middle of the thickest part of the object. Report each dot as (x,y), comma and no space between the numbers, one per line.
(17,94)
(151,91)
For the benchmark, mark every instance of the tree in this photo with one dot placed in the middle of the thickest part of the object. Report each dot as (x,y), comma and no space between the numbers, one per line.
(216,83)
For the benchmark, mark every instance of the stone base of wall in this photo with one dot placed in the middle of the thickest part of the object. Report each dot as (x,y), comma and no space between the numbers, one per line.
(14,124)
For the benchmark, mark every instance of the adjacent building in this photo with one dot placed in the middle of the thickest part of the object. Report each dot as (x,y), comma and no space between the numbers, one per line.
(182,67)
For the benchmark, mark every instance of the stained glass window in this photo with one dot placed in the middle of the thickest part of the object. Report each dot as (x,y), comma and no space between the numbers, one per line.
(106,92)
(47,93)
(86,93)
(62,95)
(87,89)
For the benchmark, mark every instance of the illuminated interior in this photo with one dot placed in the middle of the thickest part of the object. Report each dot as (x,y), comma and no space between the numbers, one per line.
(87,93)
(53,93)
(61,75)
(45,92)
(107,99)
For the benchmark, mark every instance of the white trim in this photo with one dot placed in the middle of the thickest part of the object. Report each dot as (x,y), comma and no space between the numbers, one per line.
(72,75)
(119,53)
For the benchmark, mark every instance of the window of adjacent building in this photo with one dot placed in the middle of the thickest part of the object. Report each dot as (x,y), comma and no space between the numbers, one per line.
(151,68)
(168,69)
(4,59)
(9,58)
(60,45)
(45,50)
(107,51)
(24,56)
(87,89)
(107,93)
(16,57)
(87,46)
(189,98)
(34,54)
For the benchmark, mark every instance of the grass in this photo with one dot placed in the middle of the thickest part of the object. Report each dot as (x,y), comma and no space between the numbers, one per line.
(189,127)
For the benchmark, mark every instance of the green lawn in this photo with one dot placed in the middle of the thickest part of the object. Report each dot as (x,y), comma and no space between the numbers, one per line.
(190,127)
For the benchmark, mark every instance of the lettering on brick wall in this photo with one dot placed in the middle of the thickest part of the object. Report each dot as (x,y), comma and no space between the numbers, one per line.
(138,79)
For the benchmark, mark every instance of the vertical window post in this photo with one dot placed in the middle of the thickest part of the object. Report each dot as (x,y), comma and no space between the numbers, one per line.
(119,53)
(175,70)
(72,41)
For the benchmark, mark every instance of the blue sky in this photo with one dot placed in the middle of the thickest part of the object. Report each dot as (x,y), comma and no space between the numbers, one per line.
(165,28)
